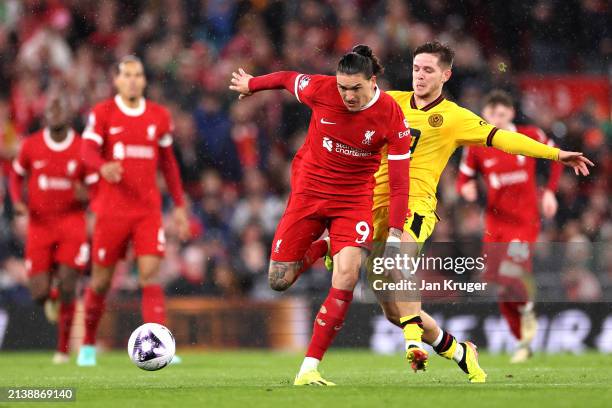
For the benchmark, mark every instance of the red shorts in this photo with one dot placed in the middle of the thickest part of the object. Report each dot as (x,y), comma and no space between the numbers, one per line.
(498,231)
(112,234)
(62,240)
(307,217)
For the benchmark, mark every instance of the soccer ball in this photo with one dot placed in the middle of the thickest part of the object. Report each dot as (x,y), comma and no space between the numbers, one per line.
(151,346)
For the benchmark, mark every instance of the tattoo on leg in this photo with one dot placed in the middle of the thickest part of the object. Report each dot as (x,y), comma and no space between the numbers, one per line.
(282,274)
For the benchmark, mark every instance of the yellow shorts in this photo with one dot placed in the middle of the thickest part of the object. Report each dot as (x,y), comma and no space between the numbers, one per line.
(419,225)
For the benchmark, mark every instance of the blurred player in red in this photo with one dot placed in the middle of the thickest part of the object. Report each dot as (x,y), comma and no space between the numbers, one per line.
(512,221)
(332,181)
(127,138)
(56,245)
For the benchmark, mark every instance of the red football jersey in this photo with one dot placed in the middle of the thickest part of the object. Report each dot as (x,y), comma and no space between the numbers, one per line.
(341,152)
(512,199)
(134,137)
(52,169)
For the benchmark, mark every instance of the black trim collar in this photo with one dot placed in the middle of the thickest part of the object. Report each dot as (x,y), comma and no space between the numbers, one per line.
(427,107)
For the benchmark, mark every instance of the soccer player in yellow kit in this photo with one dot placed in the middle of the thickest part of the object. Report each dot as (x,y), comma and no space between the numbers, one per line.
(438,127)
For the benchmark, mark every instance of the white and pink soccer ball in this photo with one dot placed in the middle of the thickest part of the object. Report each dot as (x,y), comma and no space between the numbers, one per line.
(151,346)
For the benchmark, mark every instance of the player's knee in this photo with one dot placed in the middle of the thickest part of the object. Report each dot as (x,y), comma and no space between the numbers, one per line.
(67,284)
(101,278)
(39,290)
(66,296)
(280,275)
(147,278)
(39,296)
(100,285)
(346,277)
(67,291)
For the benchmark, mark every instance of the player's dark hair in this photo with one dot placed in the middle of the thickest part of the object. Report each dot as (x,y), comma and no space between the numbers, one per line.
(498,97)
(361,60)
(445,54)
(127,59)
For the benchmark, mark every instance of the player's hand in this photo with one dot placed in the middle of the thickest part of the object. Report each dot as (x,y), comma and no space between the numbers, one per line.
(112,171)
(20,209)
(469,191)
(181,220)
(577,161)
(549,204)
(240,83)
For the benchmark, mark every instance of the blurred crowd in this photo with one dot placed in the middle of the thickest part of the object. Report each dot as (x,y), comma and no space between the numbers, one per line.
(235,156)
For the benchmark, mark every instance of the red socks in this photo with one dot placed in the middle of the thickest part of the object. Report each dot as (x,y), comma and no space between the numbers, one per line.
(329,321)
(512,314)
(64,324)
(317,250)
(513,295)
(153,304)
(153,310)
(94,309)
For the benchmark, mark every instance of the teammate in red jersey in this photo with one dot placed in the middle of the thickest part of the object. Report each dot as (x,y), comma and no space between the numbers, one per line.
(512,221)
(127,138)
(56,244)
(332,182)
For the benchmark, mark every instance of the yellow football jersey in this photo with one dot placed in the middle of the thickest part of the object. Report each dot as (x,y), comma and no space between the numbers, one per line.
(436,130)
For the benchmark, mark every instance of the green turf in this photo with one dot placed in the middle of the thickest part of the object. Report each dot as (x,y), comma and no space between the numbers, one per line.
(261,379)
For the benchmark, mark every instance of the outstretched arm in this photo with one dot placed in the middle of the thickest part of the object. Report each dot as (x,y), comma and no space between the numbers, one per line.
(516,143)
(470,129)
(246,84)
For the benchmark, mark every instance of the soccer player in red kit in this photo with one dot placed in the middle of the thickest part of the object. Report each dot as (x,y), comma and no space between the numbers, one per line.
(332,182)
(127,138)
(56,244)
(512,221)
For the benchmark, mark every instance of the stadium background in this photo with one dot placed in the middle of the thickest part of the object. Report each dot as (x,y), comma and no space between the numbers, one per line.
(553,56)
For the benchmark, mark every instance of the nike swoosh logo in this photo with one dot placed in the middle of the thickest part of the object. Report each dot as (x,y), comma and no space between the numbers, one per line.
(489,163)
(323,121)
(115,130)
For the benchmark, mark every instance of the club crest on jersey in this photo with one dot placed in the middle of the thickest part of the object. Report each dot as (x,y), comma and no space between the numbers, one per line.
(367,137)
(489,163)
(304,81)
(71,167)
(277,246)
(328,144)
(435,120)
(151,129)
(83,256)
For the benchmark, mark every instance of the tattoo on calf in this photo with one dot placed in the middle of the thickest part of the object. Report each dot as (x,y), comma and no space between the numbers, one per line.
(282,274)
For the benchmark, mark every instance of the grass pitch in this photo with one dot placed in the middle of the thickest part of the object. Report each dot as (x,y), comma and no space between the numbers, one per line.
(263,379)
